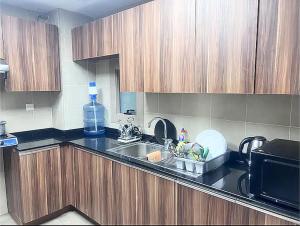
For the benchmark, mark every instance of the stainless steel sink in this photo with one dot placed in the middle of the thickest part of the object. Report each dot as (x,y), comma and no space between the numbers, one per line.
(141,150)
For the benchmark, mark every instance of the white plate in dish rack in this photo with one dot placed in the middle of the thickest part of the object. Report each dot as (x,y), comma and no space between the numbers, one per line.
(214,140)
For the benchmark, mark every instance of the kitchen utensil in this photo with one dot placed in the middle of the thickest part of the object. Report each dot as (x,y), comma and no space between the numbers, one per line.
(2,128)
(159,131)
(214,141)
(197,167)
(253,143)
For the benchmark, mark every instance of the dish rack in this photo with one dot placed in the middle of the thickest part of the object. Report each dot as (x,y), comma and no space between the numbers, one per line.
(198,167)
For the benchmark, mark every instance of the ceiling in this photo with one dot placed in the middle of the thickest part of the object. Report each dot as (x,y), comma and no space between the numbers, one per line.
(92,8)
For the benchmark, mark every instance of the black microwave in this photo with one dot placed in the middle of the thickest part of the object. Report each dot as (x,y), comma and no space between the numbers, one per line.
(275,172)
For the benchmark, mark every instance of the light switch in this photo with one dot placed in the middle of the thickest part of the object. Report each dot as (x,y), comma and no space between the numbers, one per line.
(29,107)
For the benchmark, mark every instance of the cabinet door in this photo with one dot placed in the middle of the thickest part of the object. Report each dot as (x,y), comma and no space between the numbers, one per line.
(32,52)
(110,35)
(212,210)
(124,194)
(83,169)
(156,200)
(131,79)
(40,180)
(96,39)
(226,33)
(1,41)
(84,40)
(67,175)
(168,46)
(94,187)
(278,50)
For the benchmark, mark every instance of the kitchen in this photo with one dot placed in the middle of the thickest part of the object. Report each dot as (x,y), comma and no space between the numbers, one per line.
(214,77)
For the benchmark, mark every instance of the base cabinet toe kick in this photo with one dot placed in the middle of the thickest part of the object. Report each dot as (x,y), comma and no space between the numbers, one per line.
(44,182)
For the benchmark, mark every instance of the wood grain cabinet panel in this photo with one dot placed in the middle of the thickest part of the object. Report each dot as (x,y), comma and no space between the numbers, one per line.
(83,170)
(278,50)
(2,56)
(156,200)
(212,210)
(168,45)
(94,187)
(41,183)
(124,194)
(13,186)
(226,32)
(98,38)
(131,79)
(32,52)
(67,175)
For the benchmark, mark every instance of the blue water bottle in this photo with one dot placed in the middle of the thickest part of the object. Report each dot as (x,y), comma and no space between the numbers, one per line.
(93,114)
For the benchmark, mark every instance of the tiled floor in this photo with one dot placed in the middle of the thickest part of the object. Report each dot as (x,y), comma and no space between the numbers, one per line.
(69,218)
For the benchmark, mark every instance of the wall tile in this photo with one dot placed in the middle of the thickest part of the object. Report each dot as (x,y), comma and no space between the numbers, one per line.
(233,131)
(295,133)
(75,98)
(295,120)
(151,102)
(170,103)
(194,125)
(269,109)
(17,100)
(269,131)
(229,107)
(43,118)
(18,120)
(196,105)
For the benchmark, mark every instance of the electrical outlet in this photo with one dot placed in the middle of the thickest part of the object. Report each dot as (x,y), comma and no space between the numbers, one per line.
(29,107)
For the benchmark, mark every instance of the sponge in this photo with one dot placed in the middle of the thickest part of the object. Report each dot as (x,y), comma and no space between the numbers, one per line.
(154,156)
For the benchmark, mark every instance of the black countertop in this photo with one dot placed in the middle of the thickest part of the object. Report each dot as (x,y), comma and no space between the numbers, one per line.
(229,180)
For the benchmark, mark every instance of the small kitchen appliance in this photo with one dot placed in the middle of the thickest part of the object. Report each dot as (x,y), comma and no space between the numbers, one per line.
(252,144)
(8,140)
(275,172)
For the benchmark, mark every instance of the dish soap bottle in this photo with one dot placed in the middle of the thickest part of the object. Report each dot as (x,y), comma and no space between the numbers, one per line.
(93,114)
(183,137)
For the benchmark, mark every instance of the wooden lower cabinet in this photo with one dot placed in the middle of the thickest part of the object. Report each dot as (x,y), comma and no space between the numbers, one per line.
(199,208)
(34,183)
(156,200)
(113,193)
(67,175)
(43,181)
(94,186)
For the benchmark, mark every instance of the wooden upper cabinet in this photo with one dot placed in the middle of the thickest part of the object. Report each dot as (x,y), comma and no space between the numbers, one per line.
(168,45)
(32,52)
(278,50)
(131,79)
(226,32)
(84,45)
(1,41)
(96,39)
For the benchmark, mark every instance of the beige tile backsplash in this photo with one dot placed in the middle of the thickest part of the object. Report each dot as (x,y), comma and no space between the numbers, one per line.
(235,116)
(269,109)
(295,119)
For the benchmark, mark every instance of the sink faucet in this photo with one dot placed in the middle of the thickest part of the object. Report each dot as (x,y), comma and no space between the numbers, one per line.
(168,142)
